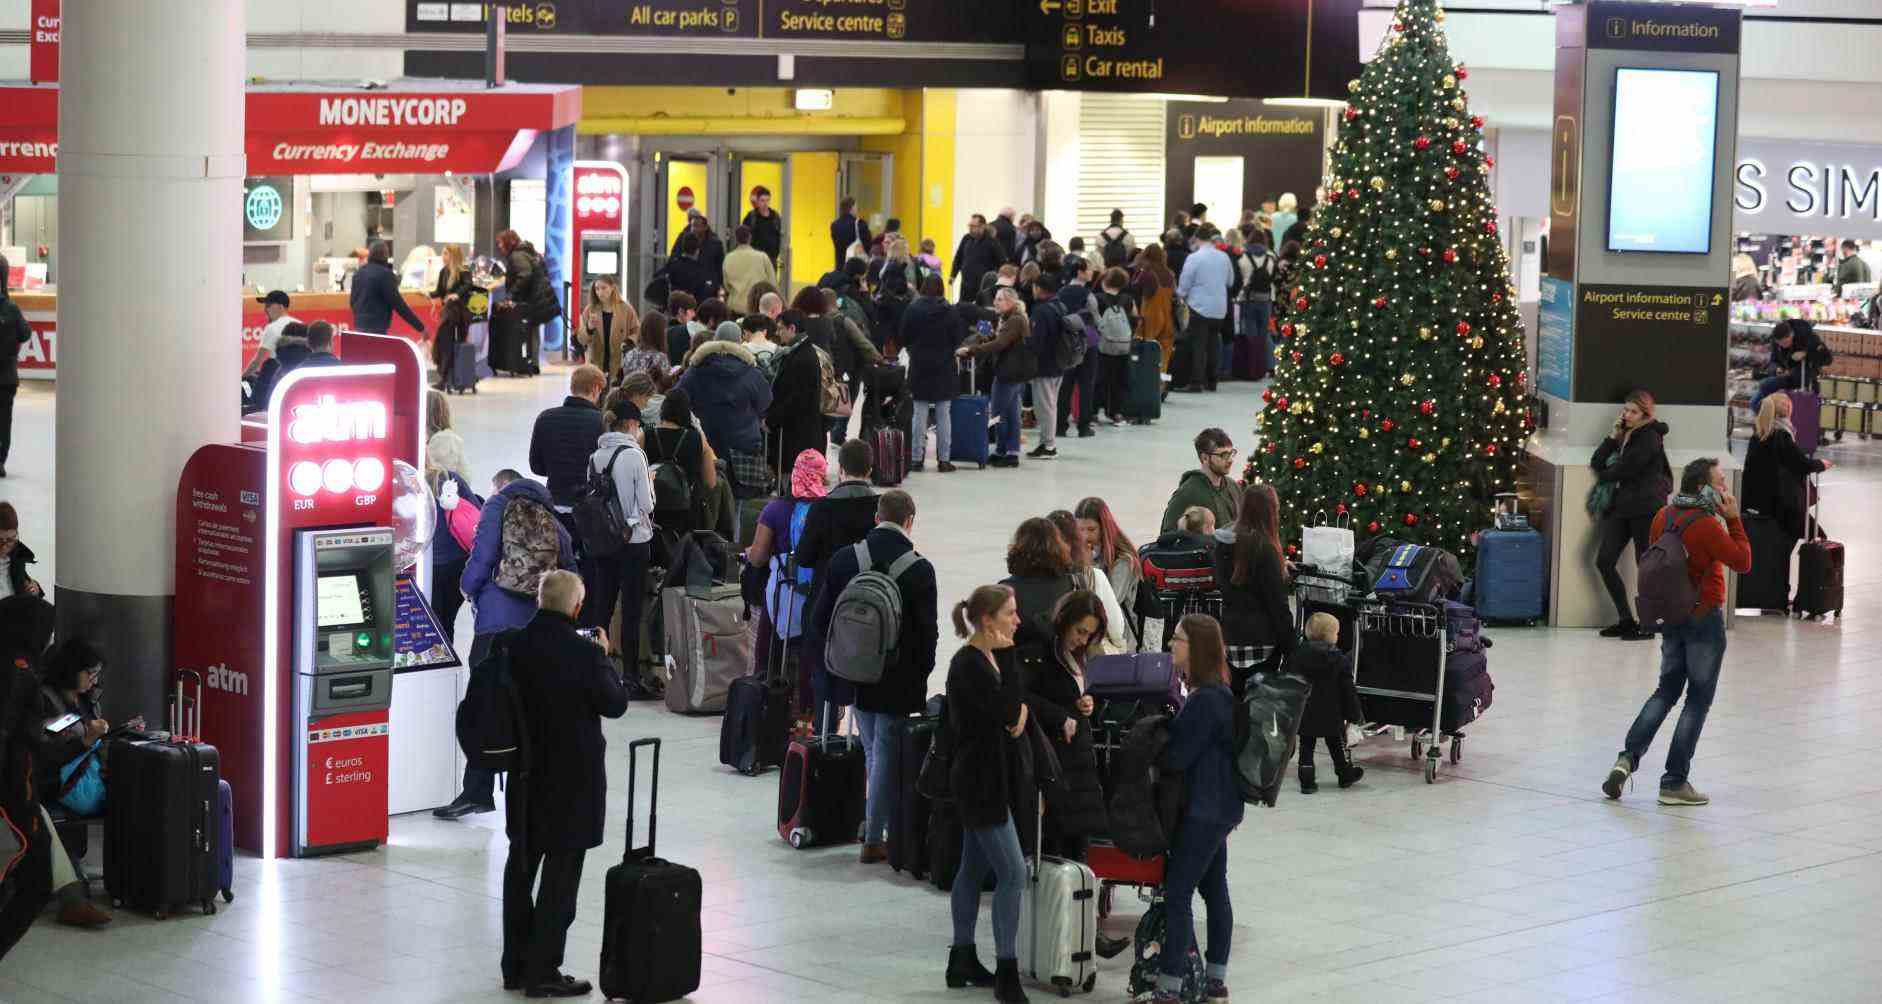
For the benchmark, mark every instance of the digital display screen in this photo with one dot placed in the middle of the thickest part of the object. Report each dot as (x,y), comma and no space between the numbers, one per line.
(1660,179)
(337,602)
(604,263)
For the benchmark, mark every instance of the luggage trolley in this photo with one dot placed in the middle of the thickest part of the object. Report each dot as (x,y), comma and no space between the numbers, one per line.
(1417,623)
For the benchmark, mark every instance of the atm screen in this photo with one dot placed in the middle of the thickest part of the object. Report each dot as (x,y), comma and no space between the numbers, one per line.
(603,262)
(337,602)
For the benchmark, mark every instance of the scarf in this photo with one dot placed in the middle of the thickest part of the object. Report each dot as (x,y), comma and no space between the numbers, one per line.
(1685,501)
(1785,424)
(807,475)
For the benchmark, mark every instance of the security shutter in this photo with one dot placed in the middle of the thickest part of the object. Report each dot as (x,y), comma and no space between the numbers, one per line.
(1120,153)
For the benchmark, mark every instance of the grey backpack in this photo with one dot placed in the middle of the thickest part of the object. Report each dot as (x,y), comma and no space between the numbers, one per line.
(1667,594)
(1114,330)
(867,621)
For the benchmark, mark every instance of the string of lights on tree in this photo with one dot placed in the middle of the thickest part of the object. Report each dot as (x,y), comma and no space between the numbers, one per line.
(1399,392)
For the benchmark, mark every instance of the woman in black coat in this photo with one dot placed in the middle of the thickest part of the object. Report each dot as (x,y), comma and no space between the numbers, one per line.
(1040,574)
(1776,470)
(932,329)
(987,723)
(796,412)
(1252,575)
(1055,690)
(1632,482)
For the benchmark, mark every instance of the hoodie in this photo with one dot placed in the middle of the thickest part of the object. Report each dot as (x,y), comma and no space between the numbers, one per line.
(730,395)
(1642,477)
(1224,499)
(633,486)
(496,610)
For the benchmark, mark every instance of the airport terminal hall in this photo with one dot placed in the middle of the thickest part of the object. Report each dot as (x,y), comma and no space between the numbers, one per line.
(940,501)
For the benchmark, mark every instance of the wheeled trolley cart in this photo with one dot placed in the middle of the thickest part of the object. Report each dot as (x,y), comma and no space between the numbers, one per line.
(1403,655)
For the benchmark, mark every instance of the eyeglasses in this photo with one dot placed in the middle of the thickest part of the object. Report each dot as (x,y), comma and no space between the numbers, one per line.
(1228,454)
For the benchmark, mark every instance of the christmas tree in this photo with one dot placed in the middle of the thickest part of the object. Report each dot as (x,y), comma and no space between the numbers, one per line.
(1398,397)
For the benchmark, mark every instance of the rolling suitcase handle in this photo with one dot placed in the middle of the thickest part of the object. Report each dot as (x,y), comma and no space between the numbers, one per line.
(178,732)
(630,853)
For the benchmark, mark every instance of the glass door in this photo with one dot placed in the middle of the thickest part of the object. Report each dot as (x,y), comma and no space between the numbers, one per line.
(757,179)
(682,183)
(869,178)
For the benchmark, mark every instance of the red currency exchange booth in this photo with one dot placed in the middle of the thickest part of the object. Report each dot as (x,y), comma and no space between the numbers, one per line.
(419,163)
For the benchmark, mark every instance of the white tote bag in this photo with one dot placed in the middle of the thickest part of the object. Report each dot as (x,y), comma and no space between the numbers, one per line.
(1329,549)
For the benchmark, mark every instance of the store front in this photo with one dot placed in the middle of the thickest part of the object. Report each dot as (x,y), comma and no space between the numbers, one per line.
(418,164)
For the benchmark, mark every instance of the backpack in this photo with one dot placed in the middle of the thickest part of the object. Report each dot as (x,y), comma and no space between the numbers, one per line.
(835,393)
(852,308)
(530,548)
(1153,929)
(1260,277)
(491,728)
(866,624)
(1267,734)
(787,590)
(1146,802)
(461,521)
(540,303)
(1178,562)
(597,513)
(672,488)
(1414,572)
(1074,340)
(1114,330)
(1667,594)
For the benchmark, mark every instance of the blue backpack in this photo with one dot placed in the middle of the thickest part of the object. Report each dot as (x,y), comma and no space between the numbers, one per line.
(787,592)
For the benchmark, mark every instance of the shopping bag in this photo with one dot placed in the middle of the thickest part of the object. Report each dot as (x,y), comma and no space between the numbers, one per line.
(1329,549)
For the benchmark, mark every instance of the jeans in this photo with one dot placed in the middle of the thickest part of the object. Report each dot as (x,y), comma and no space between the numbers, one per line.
(995,848)
(1198,862)
(1205,350)
(943,432)
(1084,377)
(1045,409)
(536,928)
(1006,411)
(879,756)
(1225,365)
(1254,322)
(1690,657)
(1616,532)
(1772,385)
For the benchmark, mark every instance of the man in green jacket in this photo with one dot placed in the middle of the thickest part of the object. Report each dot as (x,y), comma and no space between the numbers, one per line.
(1209,485)
(1851,269)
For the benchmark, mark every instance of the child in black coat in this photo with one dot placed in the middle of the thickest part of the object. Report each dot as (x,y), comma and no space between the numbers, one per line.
(1333,703)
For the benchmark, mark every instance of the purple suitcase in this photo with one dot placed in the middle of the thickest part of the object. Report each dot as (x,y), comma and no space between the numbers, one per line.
(1138,676)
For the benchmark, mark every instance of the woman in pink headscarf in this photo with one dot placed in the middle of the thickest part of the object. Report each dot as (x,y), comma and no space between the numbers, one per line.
(768,560)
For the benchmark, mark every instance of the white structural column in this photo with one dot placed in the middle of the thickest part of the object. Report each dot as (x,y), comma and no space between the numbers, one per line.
(151,119)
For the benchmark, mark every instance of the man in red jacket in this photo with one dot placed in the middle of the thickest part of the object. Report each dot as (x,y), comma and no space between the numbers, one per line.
(1690,652)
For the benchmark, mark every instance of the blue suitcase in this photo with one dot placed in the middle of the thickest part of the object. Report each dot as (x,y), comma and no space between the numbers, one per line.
(968,419)
(1143,395)
(1512,576)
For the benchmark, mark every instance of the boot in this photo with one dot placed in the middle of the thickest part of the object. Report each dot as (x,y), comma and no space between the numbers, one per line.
(1006,987)
(1349,775)
(965,970)
(1307,785)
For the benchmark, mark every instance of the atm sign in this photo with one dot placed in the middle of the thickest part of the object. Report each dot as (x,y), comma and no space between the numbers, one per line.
(329,420)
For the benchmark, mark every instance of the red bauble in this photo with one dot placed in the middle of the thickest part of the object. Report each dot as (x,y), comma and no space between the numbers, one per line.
(1360,489)
(1300,303)
(1281,403)
(1300,462)
(1411,519)
(1489,161)
(1372,527)
(1461,72)
(1333,195)
(1320,243)
(1521,378)
(1489,226)
(1268,395)
(1268,447)
(1319,261)
(1476,121)
(1425,251)
(1494,381)
(1414,443)
(1496,297)
(1459,147)
(1398,26)
(1351,113)
(1352,193)
(1387,426)
(1340,509)
(1287,330)
(1427,407)
(1452,172)
(1463,328)
(1379,302)
(1422,143)
(1450,256)
(1293,548)
(1367,413)
(1490,450)
(1295,356)
(1337,359)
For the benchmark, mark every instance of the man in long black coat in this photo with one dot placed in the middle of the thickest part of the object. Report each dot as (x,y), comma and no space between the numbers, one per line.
(979,252)
(557,812)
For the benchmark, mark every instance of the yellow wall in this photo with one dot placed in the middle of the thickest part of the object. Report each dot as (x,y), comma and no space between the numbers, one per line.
(684,174)
(924,167)
(813,206)
(769,173)
(746,110)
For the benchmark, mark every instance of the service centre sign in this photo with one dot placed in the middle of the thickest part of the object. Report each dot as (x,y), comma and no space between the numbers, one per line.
(1790,187)
(340,132)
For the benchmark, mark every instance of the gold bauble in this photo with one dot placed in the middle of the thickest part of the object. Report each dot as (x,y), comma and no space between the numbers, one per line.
(1476,341)
(1353,85)
(1379,490)
(1424,334)
(1457,104)
(1335,233)
(1432,457)
(1391,254)
(1378,183)
(1437,205)
(1317,448)
(1450,80)
(1364,433)
(1404,486)
(1450,123)
(1294,408)
(1438,15)
(1408,379)
(1446,443)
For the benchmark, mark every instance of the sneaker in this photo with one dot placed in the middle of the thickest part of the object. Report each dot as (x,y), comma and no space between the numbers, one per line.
(1685,794)
(1043,453)
(1086,432)
(1621,630)
(1003,460)
(1617,776)
(1639,633)
(1217,992)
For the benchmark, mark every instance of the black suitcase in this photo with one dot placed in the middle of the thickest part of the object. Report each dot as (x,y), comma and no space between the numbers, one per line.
(820,790)
(162,818)
(908,828)
(1768,585)
(757,725)
(650,943)
(1819,579)
(1143,394)
(506,342)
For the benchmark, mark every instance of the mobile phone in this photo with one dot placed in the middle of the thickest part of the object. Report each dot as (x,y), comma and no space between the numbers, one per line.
(588,633)
(61,723)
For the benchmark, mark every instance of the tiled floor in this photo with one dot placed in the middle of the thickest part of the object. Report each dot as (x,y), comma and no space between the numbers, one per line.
(1510,880)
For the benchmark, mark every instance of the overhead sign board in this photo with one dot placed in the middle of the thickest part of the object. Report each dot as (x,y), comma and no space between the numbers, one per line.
(851,20)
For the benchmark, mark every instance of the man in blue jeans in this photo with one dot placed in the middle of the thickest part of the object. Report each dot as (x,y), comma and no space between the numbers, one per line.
(1706,516)
(903,689)
(1013,367)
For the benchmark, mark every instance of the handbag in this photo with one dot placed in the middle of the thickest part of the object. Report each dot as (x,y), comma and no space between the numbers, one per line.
(1046,770)
(82,783)
(936,780)
(1328,547)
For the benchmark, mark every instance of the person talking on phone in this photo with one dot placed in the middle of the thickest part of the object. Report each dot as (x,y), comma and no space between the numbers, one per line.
(567,685)
(1706,515)
(1632,480)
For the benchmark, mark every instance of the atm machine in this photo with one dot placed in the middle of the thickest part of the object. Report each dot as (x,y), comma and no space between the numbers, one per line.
(597,228)
(343,654)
